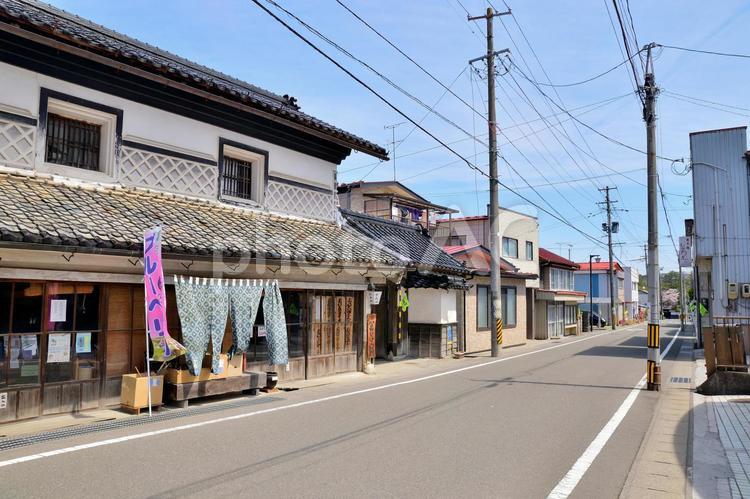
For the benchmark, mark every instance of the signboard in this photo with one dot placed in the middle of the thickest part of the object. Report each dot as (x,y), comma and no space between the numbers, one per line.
(3,400)
(685,254)
(165,347)
(371,322)
(375,297)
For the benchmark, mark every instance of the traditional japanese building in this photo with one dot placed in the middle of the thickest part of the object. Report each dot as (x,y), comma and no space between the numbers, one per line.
(103,137)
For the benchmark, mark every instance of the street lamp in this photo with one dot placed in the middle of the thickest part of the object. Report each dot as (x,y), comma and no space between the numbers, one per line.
(591,293)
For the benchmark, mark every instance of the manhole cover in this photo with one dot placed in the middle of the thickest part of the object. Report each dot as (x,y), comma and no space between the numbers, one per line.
(678,379)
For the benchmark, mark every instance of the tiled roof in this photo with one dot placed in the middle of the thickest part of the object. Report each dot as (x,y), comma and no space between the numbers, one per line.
(482,260)
(598,266)
(546,256)
(45,211)
(77,32)
(437,281)
(405,240)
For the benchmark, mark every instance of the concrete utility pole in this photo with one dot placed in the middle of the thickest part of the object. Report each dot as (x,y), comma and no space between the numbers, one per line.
(612,310)
(649,91)
(495,247)
(392,128)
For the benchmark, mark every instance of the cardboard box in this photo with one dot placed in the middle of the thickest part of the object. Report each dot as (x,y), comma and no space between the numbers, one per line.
(134,392)
(234,365)
(179,376)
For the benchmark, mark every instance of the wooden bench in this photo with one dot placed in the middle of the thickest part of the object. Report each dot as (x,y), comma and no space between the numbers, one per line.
(180,394)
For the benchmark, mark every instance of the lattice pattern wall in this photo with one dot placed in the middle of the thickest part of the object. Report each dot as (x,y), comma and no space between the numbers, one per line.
(17,143)
(158,171)
(295,200)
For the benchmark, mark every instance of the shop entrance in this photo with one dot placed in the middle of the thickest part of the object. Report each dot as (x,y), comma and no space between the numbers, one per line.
(332,344)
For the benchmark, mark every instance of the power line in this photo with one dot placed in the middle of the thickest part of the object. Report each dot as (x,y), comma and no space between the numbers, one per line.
(626,43)
(708,52)
(693,101)
(361,82)
(368,66)
(587,80)
(422,68)
(704,100)
(603,135)
(404,115)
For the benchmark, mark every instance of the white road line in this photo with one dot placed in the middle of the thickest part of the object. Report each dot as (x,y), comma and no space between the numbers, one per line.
(569,482)
(136,436)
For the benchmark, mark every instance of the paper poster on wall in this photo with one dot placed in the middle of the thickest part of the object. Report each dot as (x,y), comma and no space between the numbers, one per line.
(58,348)
(58,310)
(28,347)
(261,331)
(83,342)
(29,370)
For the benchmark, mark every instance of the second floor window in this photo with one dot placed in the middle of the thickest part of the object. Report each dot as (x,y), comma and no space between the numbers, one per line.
(561,279)
(457,241)
(237,178)
(529,250)
(510,247)
(243,172)
(72,142)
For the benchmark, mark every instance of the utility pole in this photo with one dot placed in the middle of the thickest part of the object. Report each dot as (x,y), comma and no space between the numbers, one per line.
(612,311)
(495,248)
(393,143)
(649,91)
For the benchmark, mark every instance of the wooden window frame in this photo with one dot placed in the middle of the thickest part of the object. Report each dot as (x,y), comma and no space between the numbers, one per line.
(109,118)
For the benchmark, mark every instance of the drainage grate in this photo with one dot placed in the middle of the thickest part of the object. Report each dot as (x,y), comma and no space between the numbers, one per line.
(677,379)
(23,441)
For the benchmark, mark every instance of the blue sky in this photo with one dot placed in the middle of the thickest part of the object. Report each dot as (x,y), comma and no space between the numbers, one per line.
(573,40)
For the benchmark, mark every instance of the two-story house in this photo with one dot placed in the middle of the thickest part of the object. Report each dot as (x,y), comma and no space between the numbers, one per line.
(468,237)
(419,316)
(557,300)
(594,281)
(103,137)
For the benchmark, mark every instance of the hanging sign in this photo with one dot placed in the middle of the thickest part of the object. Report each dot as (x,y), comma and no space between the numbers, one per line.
(165,347)
(375,297)
(371,322)
(685,254)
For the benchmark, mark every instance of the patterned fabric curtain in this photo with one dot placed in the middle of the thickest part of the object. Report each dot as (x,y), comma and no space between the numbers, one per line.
(219,300)
(203,309)
(273,313)
(243,307)
(194,309)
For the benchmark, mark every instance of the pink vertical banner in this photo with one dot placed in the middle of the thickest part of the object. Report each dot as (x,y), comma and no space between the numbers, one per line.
(165,347)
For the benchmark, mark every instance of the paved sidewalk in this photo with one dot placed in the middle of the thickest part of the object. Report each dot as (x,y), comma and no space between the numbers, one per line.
(661,467)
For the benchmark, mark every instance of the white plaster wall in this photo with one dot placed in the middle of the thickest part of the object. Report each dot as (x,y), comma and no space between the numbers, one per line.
(432,306)
(19,93)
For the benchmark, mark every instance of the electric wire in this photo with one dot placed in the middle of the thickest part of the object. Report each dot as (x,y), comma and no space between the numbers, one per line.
(708,52)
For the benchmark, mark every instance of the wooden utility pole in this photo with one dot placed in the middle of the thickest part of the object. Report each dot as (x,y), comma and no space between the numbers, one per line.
(612,288)
(495,244)
(649,90)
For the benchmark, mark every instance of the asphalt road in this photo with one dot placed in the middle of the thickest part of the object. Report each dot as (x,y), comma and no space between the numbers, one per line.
(508,429)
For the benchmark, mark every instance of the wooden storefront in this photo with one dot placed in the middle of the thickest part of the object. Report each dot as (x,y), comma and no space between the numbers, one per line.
(64,346)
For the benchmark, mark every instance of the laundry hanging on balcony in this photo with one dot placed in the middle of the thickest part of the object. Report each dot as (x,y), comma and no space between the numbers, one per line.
(203,305)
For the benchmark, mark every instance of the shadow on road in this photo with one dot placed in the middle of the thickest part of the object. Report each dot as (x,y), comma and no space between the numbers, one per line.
(511,381)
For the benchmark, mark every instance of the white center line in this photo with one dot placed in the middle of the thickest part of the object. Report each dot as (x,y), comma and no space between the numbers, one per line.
(569,482)
(136,436)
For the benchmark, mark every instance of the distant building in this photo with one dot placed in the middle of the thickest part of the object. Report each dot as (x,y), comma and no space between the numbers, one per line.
(599,289)
(632,299)
(557,300)
(520,251)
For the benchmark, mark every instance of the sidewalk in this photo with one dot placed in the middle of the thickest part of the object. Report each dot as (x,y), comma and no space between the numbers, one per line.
(721,443)
(661,468)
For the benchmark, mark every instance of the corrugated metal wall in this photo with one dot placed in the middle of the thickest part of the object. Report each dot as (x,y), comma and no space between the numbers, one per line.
(722,211)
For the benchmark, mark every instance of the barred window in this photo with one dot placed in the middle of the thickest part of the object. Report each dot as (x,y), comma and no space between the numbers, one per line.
(237,178)
(72,142)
